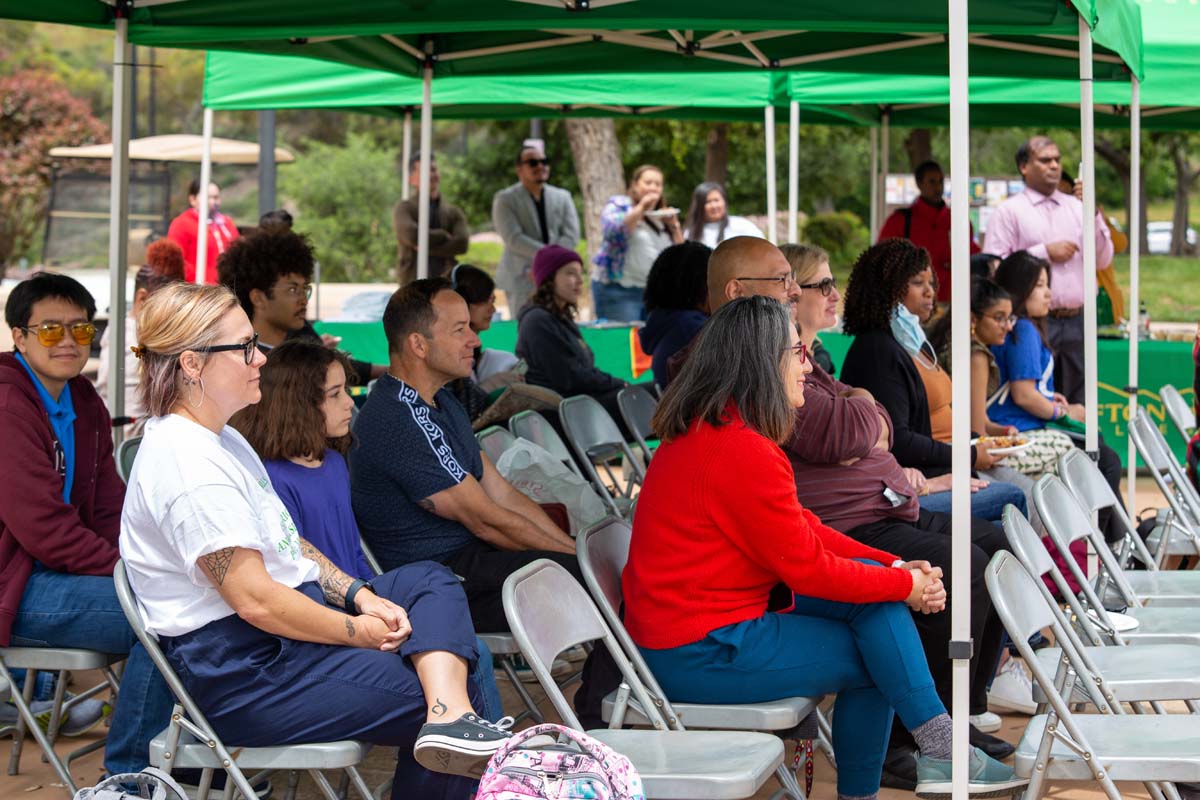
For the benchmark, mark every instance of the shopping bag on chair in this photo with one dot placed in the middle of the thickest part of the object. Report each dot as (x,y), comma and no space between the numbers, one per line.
(544,479)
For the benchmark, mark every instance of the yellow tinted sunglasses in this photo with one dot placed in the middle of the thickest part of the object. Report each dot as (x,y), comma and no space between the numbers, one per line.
(51,333)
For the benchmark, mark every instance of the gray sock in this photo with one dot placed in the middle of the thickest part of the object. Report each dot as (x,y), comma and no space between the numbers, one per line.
(857,796)
(933,737)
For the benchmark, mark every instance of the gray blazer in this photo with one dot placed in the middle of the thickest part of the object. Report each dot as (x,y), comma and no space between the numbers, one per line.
(515,218)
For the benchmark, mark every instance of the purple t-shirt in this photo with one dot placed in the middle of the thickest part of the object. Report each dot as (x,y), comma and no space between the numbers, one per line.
(318,498)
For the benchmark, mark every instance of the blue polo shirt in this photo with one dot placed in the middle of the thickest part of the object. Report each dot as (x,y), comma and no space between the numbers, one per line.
(62,422)
(407,451)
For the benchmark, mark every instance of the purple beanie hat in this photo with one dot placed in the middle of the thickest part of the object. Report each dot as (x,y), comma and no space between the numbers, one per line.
(549,260)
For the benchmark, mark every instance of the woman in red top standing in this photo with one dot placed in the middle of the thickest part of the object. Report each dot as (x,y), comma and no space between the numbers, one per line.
(721,490)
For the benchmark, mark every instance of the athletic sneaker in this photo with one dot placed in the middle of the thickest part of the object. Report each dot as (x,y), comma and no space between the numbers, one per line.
(986,777)
(987,722)
(81,717)
(1012,690)
(462,747)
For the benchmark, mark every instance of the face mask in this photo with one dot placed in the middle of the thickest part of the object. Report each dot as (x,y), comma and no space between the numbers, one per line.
(907,330)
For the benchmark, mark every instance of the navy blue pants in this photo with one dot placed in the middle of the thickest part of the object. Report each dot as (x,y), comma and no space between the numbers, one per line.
(258,689)
(869,654)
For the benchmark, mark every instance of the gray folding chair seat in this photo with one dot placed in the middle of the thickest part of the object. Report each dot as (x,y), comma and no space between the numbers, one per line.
(1149,672)
(603,551)
(532,426)
(598,440)
(549,612)
(637,404)
(60,660)
(1059,745)
(126,453)
(189,740)
(494,440)
(1182,416)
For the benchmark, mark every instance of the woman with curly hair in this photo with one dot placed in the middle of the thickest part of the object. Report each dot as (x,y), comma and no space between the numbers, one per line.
(676,302)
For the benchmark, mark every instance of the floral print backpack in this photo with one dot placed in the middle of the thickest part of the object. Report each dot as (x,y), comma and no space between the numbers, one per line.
(580,767)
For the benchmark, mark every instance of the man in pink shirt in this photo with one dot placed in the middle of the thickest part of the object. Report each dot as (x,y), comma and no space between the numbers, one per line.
(1049,224)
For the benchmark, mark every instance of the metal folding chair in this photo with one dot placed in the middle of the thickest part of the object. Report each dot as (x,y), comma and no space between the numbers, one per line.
(1148,672)
(534,427)
(549,612)
(1180,519)
(1183,416)
(59,660)
(1106,747)
(637,404)
(603,550)
(190,741)
(126,453)
(598,440)
(494,440)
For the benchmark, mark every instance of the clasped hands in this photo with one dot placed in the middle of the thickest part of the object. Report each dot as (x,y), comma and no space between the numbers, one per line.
(928,593)
(384,624)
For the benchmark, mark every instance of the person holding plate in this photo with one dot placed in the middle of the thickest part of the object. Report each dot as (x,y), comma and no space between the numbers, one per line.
(635,228)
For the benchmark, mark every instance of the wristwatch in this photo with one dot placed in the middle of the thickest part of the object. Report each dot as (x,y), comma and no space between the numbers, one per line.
(352,591)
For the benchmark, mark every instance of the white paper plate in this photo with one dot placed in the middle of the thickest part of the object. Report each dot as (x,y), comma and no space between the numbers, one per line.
(1007,451)
(659,213)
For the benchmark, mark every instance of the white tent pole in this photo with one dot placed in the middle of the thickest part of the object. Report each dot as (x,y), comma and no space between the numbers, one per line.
(961,645)
(885,145)
(874,167)
(793,171)
(1087,145)
(406,153)
(772,201)
(426,151)
(202,200)
(1135,245)
(118,219)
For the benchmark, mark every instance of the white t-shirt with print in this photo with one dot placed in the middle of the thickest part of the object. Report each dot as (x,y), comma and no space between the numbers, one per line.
(191,493)
(736,226)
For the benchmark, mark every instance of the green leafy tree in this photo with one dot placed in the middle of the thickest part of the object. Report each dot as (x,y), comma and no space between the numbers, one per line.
(37,112)
(343,197)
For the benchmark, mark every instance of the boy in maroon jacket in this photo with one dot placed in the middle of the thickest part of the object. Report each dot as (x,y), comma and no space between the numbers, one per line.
(60,506)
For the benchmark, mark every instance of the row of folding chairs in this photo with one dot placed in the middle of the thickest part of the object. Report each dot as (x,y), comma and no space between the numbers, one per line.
(1098,660)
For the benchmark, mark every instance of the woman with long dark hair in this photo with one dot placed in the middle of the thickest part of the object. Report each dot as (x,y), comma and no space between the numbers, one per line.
(709,220)
(676,304)
(721,489)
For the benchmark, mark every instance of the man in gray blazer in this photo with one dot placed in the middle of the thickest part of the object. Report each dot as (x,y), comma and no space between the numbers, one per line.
(529,215)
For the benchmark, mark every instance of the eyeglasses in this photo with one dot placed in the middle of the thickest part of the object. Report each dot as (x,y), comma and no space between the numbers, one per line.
(51,333)
(1003,319)
(247,348)
(295,291)
(825,286)
(799,350)
(782,280)
(536,162)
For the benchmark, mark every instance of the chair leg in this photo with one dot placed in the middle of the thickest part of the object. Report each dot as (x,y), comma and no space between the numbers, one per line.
(343,786)
(384,788)
(356,779)
(531,707)
(323,784)
(789,784)
(293,782)
(57,712)
(825,737)
(25,719)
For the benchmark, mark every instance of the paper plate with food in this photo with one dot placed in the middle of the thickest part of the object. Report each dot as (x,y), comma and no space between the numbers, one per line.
(659,213)
(1004,445)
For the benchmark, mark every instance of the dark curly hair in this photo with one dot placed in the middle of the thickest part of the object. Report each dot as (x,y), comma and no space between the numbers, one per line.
(878,282)
(259,260)
(679,278)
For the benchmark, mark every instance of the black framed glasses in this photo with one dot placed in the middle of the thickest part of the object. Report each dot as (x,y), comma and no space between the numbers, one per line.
(51,333)
(782,280)
(536,162)
(247,348)
(800,351)
(825,286)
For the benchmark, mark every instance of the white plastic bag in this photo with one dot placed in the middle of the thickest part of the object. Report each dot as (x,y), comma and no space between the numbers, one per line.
(544,479)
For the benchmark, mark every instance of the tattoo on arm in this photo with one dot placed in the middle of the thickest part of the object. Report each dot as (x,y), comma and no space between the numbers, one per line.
(428,505)
(217,564)
(349,627)
(334,582)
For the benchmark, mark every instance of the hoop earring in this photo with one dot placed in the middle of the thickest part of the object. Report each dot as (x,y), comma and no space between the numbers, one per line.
(191,382)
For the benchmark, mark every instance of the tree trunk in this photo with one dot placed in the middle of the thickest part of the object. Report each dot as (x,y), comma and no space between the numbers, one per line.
(1118,157)
(716,154)
(1183,190)
(918,147)
(597,158)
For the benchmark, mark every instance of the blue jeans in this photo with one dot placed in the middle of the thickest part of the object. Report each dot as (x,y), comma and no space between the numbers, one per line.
(617,303)
(61,610)
(869,654)
(988,503)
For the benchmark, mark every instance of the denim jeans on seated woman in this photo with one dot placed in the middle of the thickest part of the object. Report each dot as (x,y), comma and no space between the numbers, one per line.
(617,303)
(988,503)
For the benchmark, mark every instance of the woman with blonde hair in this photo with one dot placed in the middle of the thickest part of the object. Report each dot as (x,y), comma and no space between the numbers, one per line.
(253,618)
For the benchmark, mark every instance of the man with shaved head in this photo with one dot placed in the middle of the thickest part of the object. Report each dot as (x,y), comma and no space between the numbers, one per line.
(1049,224)
(745,266)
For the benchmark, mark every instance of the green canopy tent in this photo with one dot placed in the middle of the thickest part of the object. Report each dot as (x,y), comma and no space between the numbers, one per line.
(547,36)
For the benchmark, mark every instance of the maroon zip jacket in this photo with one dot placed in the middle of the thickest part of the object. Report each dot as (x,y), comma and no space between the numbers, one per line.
(35,523)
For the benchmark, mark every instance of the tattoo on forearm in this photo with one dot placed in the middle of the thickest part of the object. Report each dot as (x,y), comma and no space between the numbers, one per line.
(217,564)
(428,505)
(439,707)
(349,627)
(334,582)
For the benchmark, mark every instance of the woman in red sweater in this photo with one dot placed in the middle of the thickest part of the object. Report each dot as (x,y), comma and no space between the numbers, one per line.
(721,490)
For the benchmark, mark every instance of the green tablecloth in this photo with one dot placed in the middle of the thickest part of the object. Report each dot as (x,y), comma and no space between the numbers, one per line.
(1161,363)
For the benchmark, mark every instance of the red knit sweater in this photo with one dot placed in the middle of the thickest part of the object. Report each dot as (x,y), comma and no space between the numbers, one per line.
(718,525)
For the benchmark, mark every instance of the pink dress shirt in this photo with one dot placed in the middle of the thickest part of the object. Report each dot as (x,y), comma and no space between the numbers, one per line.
(1030,221)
